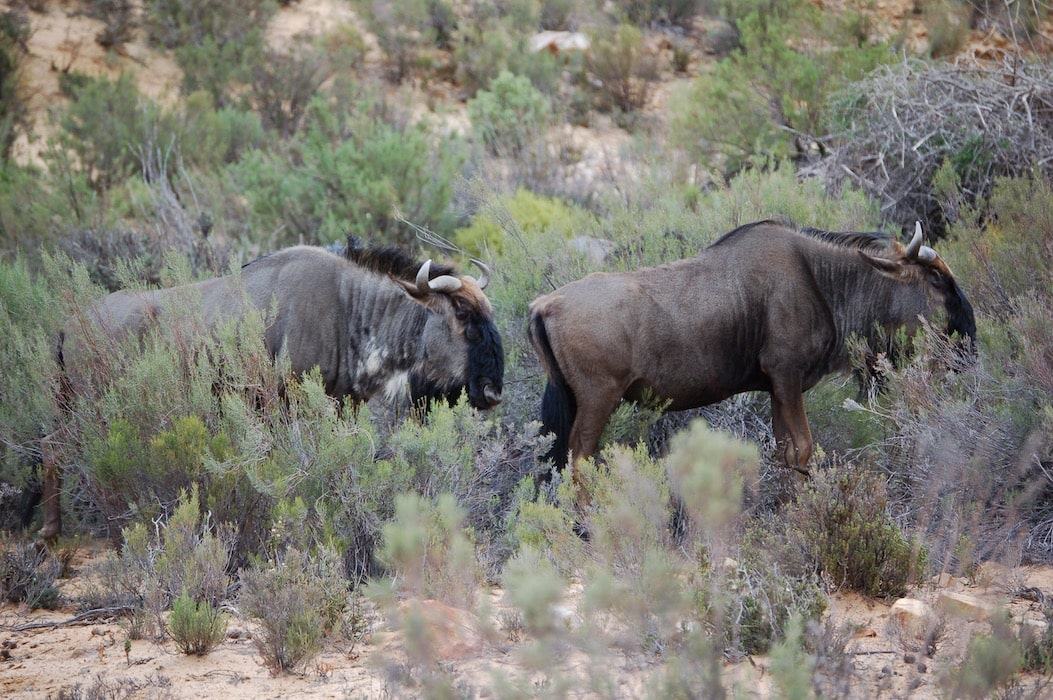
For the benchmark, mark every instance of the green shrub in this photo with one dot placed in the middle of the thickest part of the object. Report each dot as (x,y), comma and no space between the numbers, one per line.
(428,551)
(624,70)
(283,83)
(102,126)
(290,598)
(213,41)
(709,134)
(484,50)
(947,22)
(510,115)
(991,663)
(647,12)
(841,518)
(770,98)
(534,586)
(29,317)
(986,251)
(119,19)
(14,32)
(760,599)
(210,138)
(531,214)
(636,577)
(184,554)
(406,29)
(350,171)
(196,626)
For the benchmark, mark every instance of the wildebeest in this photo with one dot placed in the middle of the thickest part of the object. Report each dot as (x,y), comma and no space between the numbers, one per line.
(767,307)
(373,321)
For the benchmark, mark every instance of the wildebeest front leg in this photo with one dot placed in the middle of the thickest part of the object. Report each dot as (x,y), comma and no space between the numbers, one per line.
(793,436)
(51,501)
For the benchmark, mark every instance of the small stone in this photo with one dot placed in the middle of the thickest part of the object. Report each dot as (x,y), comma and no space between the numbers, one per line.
(965,605)
(909,658)
(922,668)
(913,616)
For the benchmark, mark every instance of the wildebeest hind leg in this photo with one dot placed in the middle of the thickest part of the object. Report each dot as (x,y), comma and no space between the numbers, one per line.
(594,410)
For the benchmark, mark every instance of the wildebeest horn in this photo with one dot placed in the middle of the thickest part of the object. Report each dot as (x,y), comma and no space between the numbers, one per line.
(917,251)
(484,279)
(423,286)
(442,283)
(914,247)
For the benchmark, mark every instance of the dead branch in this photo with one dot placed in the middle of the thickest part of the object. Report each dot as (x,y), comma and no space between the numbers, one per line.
(905,121)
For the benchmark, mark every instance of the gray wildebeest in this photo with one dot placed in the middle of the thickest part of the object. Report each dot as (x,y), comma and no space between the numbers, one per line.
(767,307)
(373,321)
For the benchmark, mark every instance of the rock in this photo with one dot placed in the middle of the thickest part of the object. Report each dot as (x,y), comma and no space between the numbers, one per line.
(559,42)
(567,618)
(595,250)
(965,605)
(454,632)
(914,617)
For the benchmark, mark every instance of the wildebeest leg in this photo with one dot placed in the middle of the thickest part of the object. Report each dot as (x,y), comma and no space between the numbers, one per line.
(51,500)
(793,436)
(594,410)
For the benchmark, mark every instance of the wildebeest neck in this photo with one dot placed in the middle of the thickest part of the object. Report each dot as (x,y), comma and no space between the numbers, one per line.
(862,302)
(384,336)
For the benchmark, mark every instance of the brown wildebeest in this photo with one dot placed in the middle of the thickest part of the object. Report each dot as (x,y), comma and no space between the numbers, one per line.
(373,321)
(767,307)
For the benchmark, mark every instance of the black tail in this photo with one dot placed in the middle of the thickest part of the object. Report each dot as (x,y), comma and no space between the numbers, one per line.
(558,405)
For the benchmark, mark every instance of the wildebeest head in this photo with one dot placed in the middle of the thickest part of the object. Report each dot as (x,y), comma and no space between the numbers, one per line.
(917,265)
(462,346)
(468,313)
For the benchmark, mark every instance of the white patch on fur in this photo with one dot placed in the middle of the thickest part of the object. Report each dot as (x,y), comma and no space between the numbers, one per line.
(374,361)
(397,387)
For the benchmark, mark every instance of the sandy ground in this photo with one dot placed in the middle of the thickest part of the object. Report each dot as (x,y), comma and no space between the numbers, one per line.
(60,653)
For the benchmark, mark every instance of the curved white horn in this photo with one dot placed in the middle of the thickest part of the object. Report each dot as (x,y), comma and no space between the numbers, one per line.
(445,283)
(926,254)
(423,286)
(484,279)
(914,247)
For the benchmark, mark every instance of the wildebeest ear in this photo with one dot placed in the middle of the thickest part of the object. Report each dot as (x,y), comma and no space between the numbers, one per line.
(882,264)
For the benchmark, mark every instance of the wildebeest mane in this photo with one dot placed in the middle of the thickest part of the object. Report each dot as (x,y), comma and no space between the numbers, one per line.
(389,260)
(383,259)
(860,240)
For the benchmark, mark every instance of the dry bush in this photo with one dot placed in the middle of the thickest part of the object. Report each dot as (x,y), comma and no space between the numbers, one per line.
(296,598)
(284,83)
(623,69)
(963,455)
(28,575)
(903,122)
(173,221)
(120,21)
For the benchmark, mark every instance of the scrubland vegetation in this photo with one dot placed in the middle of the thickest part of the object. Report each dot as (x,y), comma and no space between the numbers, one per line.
(219,492)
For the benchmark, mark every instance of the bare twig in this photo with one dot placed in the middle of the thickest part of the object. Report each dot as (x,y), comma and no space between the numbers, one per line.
(84,618)
(905,121)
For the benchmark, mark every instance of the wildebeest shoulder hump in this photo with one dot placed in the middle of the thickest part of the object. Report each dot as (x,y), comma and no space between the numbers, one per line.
(860,240)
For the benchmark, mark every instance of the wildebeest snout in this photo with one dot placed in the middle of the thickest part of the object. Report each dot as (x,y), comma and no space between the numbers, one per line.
(484,394)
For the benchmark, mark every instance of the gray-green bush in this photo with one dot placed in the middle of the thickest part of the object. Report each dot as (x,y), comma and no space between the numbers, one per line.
(349,170)
(294,597)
